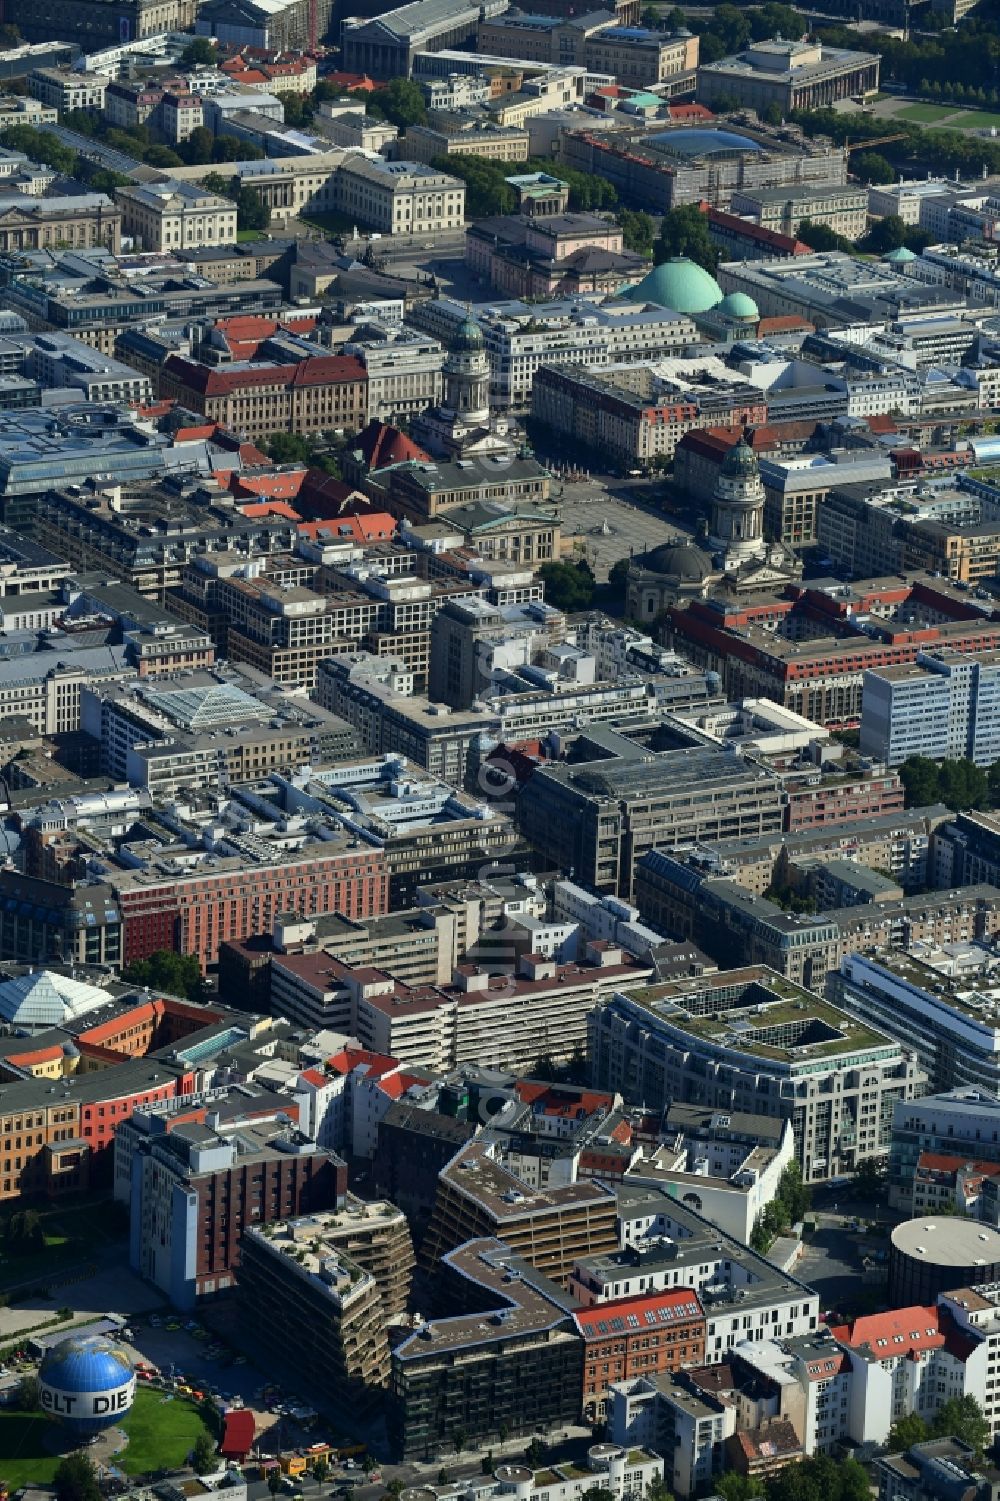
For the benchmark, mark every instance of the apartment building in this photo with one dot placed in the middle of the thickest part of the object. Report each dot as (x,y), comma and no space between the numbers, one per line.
(328,1308)
(176,216)
(551,1228)
(742,1036)
(648,1335)
(512,1369)
(63,89)
(400,197)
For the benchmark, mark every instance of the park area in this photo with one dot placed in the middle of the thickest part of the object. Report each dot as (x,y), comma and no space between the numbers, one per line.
(38,1244)
(162,1431)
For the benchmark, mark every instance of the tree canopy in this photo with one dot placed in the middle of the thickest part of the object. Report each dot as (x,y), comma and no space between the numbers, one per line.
(401,102)
(568,586)
(177,974)
(959,1417)
(684,231)
(76,1479)
(959,784)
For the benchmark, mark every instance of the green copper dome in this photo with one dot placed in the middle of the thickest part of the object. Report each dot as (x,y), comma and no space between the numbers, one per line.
(468,336)
(900,257)
(739,305)
(680,284)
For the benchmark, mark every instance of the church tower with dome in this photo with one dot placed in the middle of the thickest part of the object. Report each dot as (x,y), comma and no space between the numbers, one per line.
(461,426)
(737,524)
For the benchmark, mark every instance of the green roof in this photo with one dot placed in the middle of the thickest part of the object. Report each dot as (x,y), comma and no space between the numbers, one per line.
(680,284)
(739,305)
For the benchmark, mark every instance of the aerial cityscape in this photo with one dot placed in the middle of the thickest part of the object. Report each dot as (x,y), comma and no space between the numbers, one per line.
(499,750)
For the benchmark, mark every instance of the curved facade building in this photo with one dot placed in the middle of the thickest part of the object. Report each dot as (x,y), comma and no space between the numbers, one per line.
(928,1256)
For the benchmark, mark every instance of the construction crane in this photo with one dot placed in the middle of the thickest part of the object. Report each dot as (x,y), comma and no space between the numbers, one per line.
(876,141)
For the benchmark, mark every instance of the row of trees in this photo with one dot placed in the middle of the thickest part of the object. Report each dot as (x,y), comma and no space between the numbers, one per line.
(819,1478)
(939,150)
(968,55)
(786,1208)
(959,784)
(42,146)
(730,28)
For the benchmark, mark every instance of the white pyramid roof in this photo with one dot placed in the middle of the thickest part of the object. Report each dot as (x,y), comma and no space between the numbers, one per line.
(45,999)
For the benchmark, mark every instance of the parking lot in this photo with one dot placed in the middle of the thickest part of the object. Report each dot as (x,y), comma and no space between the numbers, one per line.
(608,528)
(199,1361)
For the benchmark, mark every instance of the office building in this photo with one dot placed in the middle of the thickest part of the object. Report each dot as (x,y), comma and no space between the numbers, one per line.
(729,1041)
(842,208)
(853,627)
(198,1181)
(953,1030)
(313,393)
(960,1123)
(792,75)
(942,705)
(598,817)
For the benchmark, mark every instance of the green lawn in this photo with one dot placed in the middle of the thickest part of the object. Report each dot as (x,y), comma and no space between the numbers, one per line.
(73,1234)
(161,1435)
(242,235)
(924,114)
(973,119)
(24,1459)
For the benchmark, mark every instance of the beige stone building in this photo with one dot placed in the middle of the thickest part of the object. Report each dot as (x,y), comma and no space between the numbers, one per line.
(176,216)
(89,219)
(840,207)
(400,197)
(260,397)
(495,143)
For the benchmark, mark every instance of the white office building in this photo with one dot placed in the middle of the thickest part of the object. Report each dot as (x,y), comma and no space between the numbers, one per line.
(944,704)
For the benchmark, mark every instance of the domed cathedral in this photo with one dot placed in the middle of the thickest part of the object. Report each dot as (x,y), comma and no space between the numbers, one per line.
(737,558)
(461,426)
(666,575)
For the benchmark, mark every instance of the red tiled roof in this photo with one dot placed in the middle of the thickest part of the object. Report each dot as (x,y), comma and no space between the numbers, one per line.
(321,497)
(689,112)
(379,526)
(284,484)
(270,508)
(901,1332)
(756,232)
(382,444)
(679,1304)
(317,370)
(376,1064)
(314,1077)
(946,1162)
(785,323)
(554,1101)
